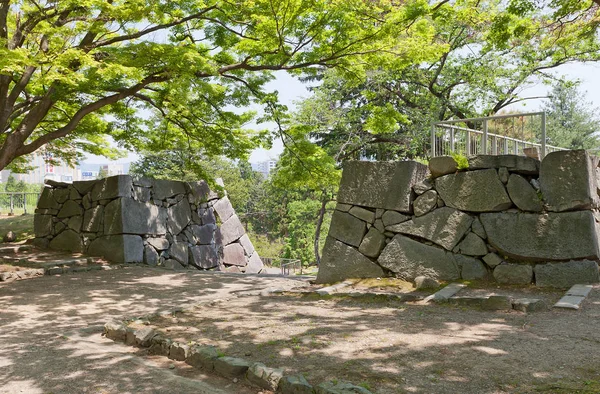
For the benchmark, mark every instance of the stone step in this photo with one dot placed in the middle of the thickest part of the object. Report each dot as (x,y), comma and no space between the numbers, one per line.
(569,302)
(333,289)
(579,290)
(445,293)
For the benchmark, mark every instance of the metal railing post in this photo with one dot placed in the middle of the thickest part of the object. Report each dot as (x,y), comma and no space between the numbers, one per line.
(433,148)
(543,152)
(11,213)
(484,138)
(24,204)
(452,140)
(468,142)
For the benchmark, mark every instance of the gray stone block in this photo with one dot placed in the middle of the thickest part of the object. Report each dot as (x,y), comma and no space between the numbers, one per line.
(457,191)
(444,226)
(363,214)
(92,219)
(231,230)
(385,185)
(472,245)
(423,186)
(425,282)
(255,264)
(204,235)
(569,302)
(160,345)
(207,215)
(264,377)
(163,189)
(340,261)
(347,228)
(203,357)
(42,225)
(471,268)
(67,240)
(338,387)
(143,336)
(47,200)
(294,384)
(233,254)
(204,256)
(115,331)
(342,207)
(372,244)
(173,264)
(158,243)
(409,259)
(231,367)
(529,305)
(224,209)
(390,218)
(61,195)
(425,202)
(70,208)
(497,303)
(478,229)
(112,187)
(566,274)
(179,351)
(513,274)
(74,223)
(150,256)
(123,248)
(141,194)
(179,252)
(442,165)
(179,216)
(580,290)
(84,187)
(127,216)
(492,260)
(542,237)
(568,180)
(198,192)
(523,194)
(247,245)
(519,164)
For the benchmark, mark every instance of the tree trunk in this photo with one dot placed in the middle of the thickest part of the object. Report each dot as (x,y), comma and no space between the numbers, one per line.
(324,202)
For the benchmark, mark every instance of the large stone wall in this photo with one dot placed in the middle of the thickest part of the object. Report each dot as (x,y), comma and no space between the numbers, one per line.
(157,222)
(506,218)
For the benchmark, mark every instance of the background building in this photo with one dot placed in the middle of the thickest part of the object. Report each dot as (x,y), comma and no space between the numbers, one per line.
(265,167)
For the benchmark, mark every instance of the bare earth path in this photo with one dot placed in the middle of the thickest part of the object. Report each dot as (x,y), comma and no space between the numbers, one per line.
(50,331)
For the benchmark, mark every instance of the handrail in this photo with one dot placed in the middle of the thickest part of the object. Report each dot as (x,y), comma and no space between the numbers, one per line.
(22,203)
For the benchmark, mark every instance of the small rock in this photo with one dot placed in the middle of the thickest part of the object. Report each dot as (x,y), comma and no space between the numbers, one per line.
(294,384)
(143,336)
(529,305)
(115,331)
(503,174)
(425,282)
(264,377)
(492,260)
(231,366)
(442,165)
(203,357)
(497,303)
(179,351)
(9,237)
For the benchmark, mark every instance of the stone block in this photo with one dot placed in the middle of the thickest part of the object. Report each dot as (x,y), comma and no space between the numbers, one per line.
(513,163)
(179,351)
(115,331)
(385,185)
(92,219)
(513,274)
(542,237)
(566,274)
(143,336)
(523,195)
(492,260)
(347,228)
(264,377)
(84,187)
(204,235)
(224,209)
(67,240)
(42,225)
(470,268)
(247,245)
(233,254)
(163,189)
(497,303)
(198,192)
(112,187)
(425,202)
(61,195)
(372,244)
(442,165)
(127,216)
(231,367)
(179,252)
(46,200)
(151,256)
(231,230)
(363,214)
(123,248)
(425,282)
(70,208)
(529,305)
(207,215)
(173,264)
(141,194)
(444,226)
(158,243)
(160,345)
(342,207)
(204,256)
(423,186)
(203,357)
(457,191)
(569,302)
(340,261)
(74,223)
(503,174)
(478,229)
(390,218)
(409,259)
(255,264)
(568,180)
(179,216)
(472,245)
(294,384)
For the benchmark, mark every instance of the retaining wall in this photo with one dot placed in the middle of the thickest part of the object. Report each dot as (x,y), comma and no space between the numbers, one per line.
(506,218)
(157,222)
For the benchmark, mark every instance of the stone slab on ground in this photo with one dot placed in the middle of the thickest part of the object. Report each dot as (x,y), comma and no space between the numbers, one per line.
(445,293)
(529,305)
(332,289)
(203,357)
(231,366)
(295,384)
(580,290)
(569,302)
(264,377)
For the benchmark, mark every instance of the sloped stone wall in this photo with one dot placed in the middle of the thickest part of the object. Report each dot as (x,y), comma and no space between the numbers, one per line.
(506,218)
(157,222)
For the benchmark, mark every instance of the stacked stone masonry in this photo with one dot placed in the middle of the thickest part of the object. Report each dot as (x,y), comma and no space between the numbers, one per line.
(506,218)
(173,224)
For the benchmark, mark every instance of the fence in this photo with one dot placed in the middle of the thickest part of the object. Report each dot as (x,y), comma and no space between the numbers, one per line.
(515,134)
(288,266)
(18,203)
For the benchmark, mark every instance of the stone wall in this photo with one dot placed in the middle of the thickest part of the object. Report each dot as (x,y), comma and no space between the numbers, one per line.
(157,222)
(506,218)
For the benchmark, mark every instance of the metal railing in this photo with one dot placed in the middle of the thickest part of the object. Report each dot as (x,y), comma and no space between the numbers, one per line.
(14,203)
(287,266)
(518,138)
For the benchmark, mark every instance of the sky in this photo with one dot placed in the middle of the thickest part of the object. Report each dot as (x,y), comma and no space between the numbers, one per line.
(291,91)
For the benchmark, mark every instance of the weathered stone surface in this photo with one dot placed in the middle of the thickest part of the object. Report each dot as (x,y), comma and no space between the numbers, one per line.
(70,208)
(127,216)
(343,207)
(247,245)
(160,345)
(118,248)
(541,237)
(513,274)
(338,387)
(158,243)
(42,225)
(470,268)
(67,240)
(503,174)
(75,223)
(47,200)
(347,228)
(143,336)
(340,261)
(204,235)
(423,186)
(203,357)
(231,366)
(391,218)
(478,229)
(141,194)
(199,192)
(231,230)
(74,194)
(425,202)
(409,259)
(566,274)
(372,244)
(179,351)
(385,185)
(425,282)
(497,303)
(233,254)
(115,331)
(472,245)
(363,214)
(255,264)
(264,377)
(444,226)
(204,256)
(61,195)
(519,164)
(379,226)
(92,219)
(442,165)
(179,216)
(224,209)
(207,215)
(473,191)
(173,264)
(163,189)
(112,187)
(295,384)
(492,260)
(83,187)
(568,180)
(523,194)
(150,256)
(179,252)
(529,305)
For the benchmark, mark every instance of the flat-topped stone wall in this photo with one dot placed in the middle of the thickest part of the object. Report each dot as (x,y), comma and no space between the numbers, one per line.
(158,222)
(506,218)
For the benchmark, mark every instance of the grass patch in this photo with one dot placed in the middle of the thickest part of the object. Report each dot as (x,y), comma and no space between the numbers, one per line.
(21,225)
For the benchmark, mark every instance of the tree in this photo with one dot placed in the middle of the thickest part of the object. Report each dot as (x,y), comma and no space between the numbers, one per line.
(102,173)
(571,121)
(75,71)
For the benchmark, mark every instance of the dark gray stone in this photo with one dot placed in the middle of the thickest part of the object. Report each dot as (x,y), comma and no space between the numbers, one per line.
(391,218)
(409,259)
(84,187)
(61,195)
(127,216)
(142,182)
(224,209)
(423,186)
(385,185)
(203,357)
(204,256)
(112,187)
(160,345)
(425,282)
(255,264)
(179,216)
(233,254)
(503,174)
(70,208)
(542,237)
(173,264)
(158,243)
(141,194)
(47,200)
(343,207)
(294,384)
(470,268)
(523,194)
(42,225)
(247,245)
(204,235)
(478,229)
(497,303)
(338,387)
(198,192)
(472,245)
(264,377)
(566,274)
(473,191)
(519,164)
(442,165)
(150,256)
(74,194)
(179,351)
(363,214)
(231,367)
(372,244)
(143,336)
(347,228)
(425,202)
(513,274)
(231,230)
(492,260)
(92,219)
(123,248)
(207,216)
(75,223)
(163,189)
(568,180)
(115,331)
(444,226)
(340,261)
(179,252)
(67,240)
